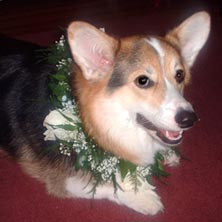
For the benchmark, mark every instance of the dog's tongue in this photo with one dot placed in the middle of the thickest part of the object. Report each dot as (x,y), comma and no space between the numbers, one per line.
(171,134)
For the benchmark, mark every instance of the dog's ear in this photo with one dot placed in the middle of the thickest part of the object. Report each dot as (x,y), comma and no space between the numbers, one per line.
(191,35)
(92,49)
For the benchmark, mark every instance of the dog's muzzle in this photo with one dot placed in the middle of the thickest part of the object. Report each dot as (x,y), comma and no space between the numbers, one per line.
(185,118)
(170,138)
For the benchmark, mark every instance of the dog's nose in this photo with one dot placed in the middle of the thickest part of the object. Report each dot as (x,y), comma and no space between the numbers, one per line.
(185,118)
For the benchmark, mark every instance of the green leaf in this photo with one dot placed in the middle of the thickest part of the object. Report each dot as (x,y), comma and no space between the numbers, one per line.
(80,161)
(126,167)
(115,184)
(135,181)
(67,127)
(159,156)
(66,117)
(59,77)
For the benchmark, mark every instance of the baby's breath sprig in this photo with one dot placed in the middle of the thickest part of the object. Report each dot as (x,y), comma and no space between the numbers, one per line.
(65,127)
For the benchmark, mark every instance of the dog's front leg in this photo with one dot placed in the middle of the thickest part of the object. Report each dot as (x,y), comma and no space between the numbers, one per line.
(144,200)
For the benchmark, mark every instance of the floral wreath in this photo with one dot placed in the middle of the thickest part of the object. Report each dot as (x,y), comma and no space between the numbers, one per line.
(65,128)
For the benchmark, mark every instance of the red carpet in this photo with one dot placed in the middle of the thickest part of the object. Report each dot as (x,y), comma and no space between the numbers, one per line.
(193,192)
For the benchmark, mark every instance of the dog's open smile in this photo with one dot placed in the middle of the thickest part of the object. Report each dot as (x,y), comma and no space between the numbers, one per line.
(167,137)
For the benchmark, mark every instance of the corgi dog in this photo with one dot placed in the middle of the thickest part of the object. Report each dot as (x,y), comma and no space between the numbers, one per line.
(130,98)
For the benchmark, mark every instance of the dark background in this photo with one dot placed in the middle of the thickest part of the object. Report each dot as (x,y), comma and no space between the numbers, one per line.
(19,17)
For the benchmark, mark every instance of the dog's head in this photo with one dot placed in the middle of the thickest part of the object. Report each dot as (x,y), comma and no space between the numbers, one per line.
(130,90)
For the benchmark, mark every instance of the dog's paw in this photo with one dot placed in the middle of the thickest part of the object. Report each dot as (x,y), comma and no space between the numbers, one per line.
(144,201)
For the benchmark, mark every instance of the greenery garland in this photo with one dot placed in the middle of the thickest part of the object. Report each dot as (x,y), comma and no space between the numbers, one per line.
(65,128)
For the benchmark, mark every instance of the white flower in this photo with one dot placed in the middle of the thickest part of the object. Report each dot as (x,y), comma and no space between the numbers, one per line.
(64,98)
(171,158)
(144,171)
(52,122)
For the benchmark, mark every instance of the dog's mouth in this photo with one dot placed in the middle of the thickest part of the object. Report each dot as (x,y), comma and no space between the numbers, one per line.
(166,136)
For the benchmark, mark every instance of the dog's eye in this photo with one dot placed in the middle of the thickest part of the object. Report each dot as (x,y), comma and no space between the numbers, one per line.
(143,82)
(180,75)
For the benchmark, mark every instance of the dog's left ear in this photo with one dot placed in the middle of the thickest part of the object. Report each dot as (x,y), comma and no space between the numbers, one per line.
(191,35)
(92,49)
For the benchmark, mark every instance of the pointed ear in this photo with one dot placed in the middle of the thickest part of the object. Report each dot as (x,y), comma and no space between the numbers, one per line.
(92,49)
(191,35)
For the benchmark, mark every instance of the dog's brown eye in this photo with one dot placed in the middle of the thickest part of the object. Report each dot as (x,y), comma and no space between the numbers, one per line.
(180,75)
(143,82)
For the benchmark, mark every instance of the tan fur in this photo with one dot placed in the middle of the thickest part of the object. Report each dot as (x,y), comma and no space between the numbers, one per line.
(88,93)
(52,174)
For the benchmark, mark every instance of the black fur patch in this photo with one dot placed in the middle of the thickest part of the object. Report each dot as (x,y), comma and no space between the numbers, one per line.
(117,79)
(126,62)
(24,97)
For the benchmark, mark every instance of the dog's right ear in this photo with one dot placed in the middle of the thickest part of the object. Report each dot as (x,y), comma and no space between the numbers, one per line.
(92,49)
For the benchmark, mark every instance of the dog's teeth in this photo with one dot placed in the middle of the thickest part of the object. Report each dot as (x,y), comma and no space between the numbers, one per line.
(173,135)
